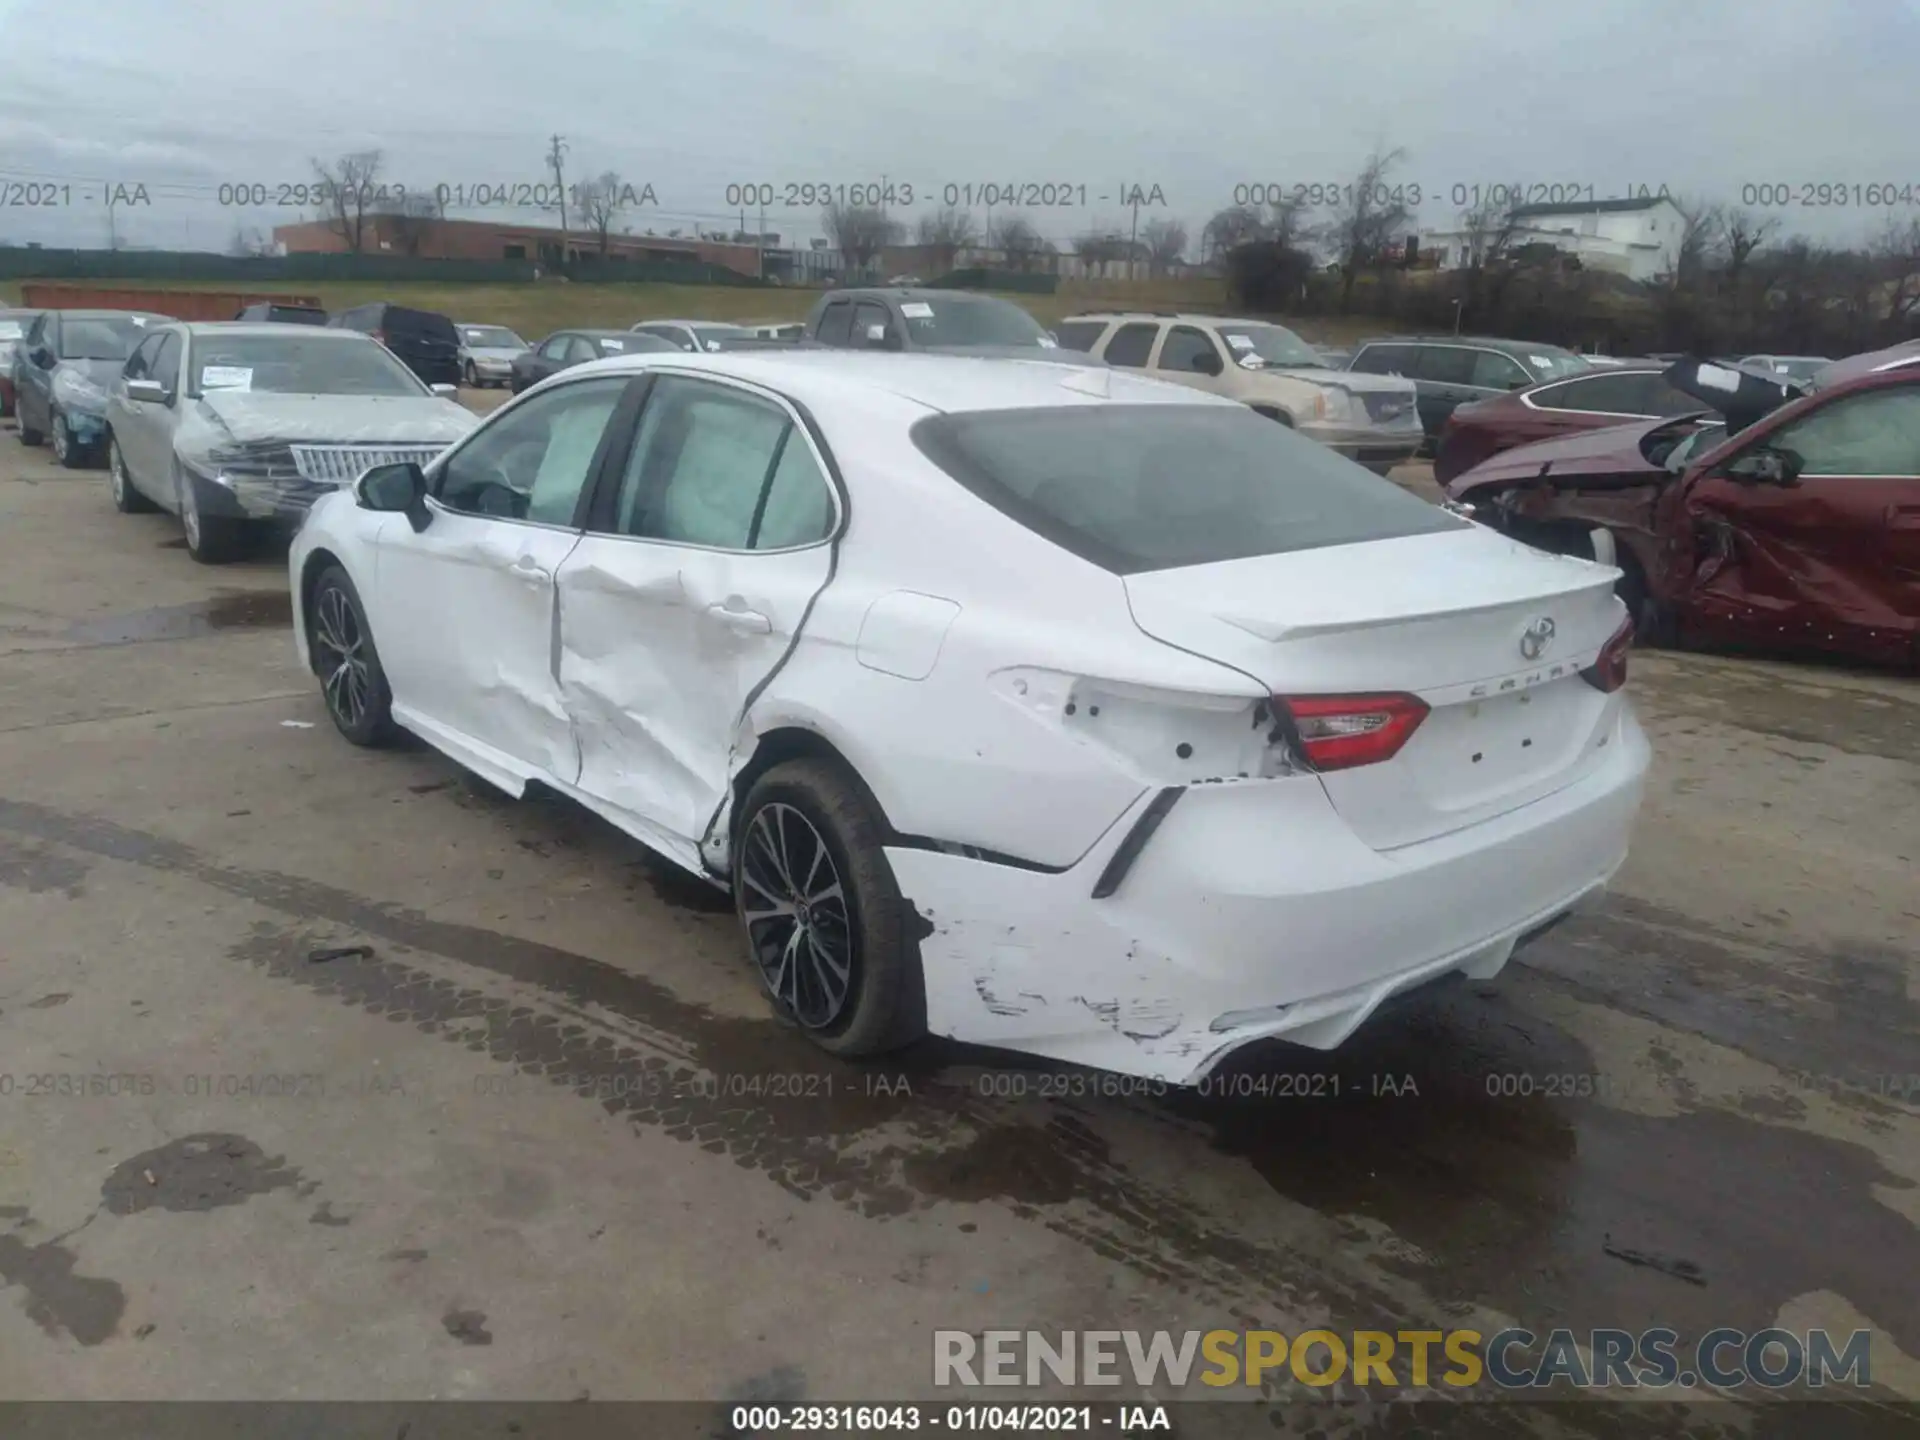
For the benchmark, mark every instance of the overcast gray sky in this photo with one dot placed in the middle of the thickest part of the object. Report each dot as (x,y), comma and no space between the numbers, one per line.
(1196,96)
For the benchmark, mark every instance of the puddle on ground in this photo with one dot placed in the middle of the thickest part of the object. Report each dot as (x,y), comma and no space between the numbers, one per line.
(237,610)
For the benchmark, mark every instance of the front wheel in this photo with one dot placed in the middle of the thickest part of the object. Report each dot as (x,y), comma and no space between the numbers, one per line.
(211,539)
(340,644)
(470,377)
(126,499)
(68,453)
(824,919)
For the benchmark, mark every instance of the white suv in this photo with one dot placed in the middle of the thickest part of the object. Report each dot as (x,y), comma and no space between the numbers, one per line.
(1368,418)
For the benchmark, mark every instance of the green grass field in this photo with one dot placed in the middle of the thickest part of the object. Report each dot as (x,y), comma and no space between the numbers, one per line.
(538,308)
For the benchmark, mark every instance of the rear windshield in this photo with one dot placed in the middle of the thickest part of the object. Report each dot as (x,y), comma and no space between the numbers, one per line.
(1155,487)
(296,315)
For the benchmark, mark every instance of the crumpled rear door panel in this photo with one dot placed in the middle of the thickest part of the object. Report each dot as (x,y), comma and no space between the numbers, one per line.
(1802,567)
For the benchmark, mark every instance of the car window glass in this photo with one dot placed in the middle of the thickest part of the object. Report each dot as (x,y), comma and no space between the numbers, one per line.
(581,349)
(1384,360)
(554,347)
(1603,394)
(1182,347)
(1657,397)
(1078,334)
(836,324)
(1444,364)
(1492,371)
(1131,344)
(142,357)
(865,316)
(700,464)
(533,463)
(799,505)
(166,360)
(1876,433)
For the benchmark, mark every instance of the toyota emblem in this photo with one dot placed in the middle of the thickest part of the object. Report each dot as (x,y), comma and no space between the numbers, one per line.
(1535,639)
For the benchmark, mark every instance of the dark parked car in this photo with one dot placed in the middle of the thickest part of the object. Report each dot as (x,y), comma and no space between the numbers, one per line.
(1450,370)
(1788,520)
(565,348)
(284,314)
(426,343)
(705,335)
(1612,395)
(66,365)
(949,321)
(13,327)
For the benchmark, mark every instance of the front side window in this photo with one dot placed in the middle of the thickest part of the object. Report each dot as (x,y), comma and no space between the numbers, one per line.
(141,361)
(554,347)
(1876,433)
(166,361)
(1153,487)
(1493,371)
(866,317)
(1384,360)
(534,462)
(1185,348)
(715,467)
(1131,344)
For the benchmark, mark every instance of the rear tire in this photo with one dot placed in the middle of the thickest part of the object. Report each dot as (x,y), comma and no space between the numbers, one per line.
(826,926)
(68,453)
(126,499)
(340,645)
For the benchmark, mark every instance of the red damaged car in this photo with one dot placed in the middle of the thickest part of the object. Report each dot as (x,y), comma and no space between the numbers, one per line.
(1789,519)
(1589,401)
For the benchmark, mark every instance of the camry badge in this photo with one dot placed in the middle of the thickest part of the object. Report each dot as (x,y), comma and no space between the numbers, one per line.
(1535,639)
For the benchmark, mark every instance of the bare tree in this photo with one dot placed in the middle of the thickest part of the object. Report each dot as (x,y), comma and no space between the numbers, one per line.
(1741,233)
(1016,238)
(602,202)
(1363,227)
(1287,223)
(1701,226)
(247,241)
(1229,229)
(1097,246)
(860,232)
(1164,241)
(557,163)
(945,233)
(1896,252)
(348,194)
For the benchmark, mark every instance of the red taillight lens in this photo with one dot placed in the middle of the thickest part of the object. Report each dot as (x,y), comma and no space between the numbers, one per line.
(1608,673)
(1338,732)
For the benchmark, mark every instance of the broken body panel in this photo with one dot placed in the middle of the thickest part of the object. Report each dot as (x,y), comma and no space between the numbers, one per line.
(1116,853)
(1825,558)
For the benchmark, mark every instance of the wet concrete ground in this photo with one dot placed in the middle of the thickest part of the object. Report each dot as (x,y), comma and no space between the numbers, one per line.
(325,1074)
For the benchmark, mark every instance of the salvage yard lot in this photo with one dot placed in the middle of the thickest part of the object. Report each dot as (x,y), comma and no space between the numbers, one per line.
(386,1088)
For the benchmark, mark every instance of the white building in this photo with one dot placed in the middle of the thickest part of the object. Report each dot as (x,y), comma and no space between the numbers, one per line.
(1636,238)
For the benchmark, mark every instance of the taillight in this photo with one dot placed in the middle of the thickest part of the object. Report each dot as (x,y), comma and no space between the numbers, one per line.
(1608,673)
(1338,732)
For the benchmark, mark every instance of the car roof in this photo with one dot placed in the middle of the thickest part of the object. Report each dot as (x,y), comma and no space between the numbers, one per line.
(597,334)
(148,315)
(937,382)
(266,327)
(910,292)
(723,324)
(1485,342)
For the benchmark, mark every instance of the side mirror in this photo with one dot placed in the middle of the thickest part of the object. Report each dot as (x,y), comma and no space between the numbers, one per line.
(43,357)
(1766,465)
(147,392)
(395,490)
(1207,363)
(447,392)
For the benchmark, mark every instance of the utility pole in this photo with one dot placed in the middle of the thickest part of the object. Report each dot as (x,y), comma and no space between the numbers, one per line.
(760,240)
(556,161)
(1133,240)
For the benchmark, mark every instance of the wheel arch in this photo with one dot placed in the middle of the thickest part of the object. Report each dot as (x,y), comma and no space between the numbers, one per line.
(311,569)
(795,742)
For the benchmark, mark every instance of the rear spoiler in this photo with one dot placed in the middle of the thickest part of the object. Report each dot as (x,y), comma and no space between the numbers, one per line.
(1741,395)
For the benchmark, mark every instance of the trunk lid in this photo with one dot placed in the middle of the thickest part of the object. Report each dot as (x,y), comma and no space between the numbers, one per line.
(1441,616)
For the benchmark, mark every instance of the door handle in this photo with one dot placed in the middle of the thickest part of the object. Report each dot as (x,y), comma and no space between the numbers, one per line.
(1903,517)
(750,622)
(528,569)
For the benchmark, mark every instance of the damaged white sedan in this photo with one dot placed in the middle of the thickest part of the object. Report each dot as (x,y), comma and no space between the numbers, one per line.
(1059,710)
(238,427)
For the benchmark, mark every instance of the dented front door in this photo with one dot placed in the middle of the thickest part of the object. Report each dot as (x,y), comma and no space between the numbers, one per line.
(686,596)
(1830,562)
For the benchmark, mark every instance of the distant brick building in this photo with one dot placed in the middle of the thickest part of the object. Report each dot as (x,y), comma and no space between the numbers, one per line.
(486,240)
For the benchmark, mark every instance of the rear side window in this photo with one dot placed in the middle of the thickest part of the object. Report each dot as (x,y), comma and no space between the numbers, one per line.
(1384,360)
(422,323)
(836,324)
(1493,371)
(1131,344)
(1445,364)
(1133,488)
(1078,334)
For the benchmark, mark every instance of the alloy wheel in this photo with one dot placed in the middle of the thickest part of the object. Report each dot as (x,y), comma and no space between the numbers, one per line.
(342,648)
(189,513)
(117,475)
(795,910)
(62,439)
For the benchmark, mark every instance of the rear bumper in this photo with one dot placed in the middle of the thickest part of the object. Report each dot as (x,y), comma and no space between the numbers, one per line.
(1253,912)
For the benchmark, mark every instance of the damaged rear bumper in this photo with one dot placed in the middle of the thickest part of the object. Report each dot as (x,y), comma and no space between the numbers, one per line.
(1253,912)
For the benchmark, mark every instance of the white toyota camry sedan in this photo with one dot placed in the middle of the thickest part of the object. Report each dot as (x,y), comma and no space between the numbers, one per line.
(1041,707)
